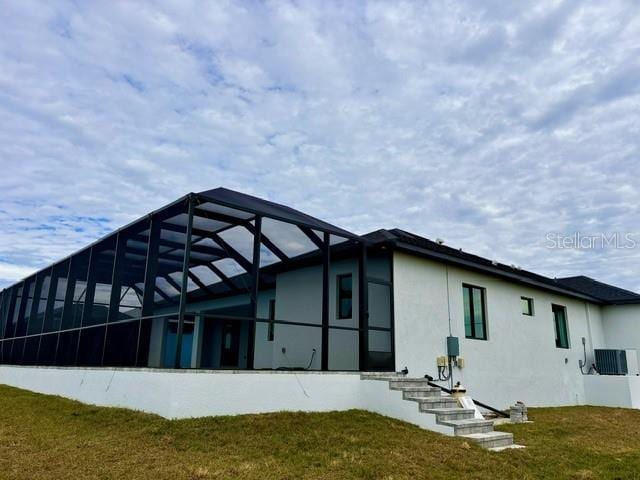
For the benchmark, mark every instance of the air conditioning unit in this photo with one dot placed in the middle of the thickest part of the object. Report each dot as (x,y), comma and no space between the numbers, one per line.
(611,362)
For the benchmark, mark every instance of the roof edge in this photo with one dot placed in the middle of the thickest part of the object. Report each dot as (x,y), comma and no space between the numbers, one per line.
(425,253)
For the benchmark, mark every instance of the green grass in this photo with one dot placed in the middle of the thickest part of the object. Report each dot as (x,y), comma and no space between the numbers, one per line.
(50,437)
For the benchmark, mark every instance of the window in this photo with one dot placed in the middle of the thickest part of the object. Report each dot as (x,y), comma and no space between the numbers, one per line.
(560,324)
(527,306)
(272,317)
(345,295)
(475,323)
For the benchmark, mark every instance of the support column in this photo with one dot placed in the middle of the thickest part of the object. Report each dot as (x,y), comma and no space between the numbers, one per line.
(7,297)
(255,290)
(116,284)
(89,293)
(90,290)
(66,308)
(116,287)
(148,296)
(196,352)
(37,292)
(326,265)
(363,309)
(51,297)
(48,310)
(4,297)
(151,268)
(184,284)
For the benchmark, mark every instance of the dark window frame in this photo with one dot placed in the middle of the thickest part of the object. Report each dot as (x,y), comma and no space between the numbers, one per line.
(556,326)
(340,315)
(468,287)
(530,306)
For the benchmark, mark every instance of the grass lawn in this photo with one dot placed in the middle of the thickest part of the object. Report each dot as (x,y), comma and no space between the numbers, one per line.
(50,437)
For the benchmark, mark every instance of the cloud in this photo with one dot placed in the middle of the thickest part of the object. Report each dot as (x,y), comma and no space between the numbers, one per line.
(486,125)
(611,87)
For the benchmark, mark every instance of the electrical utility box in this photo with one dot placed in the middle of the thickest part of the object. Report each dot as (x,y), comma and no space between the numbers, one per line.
(611,362)
(453,347)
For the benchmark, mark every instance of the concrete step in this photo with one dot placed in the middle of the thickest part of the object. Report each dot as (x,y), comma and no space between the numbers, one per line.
(490,439)
(446,409)
(380,376)
(444,414)
(403,378)
(402,382)
(466,427)
(435,402)
(423,392)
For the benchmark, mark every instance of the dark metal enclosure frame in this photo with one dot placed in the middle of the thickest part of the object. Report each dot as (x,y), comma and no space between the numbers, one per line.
(105,304)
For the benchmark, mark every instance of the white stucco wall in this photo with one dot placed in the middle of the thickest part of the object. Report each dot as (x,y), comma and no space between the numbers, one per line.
(193,393)
(613,390)
(622,326)
(518,361)
(187,394)
(299,299)
(178,394)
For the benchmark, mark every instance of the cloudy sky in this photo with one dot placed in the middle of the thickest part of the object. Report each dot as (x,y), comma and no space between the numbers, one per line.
(488,126)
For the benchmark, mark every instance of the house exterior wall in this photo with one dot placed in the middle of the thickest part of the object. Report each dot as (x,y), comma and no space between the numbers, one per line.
(519,359)
(622,326)
(613,390)
(298,296)
(299,299)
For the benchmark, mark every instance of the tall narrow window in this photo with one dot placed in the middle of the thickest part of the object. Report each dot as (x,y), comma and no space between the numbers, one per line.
(345,295)
(527,306)
(272,317)
(475,323)
(560,325)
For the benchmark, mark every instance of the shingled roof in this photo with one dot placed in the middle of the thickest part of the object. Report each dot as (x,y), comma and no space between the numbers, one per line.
(607,293)
(584,288)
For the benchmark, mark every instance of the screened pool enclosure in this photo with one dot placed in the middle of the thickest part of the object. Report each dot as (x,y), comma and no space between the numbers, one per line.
(217,280)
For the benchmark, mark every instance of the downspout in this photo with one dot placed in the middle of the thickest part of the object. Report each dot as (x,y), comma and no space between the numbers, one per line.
(446,269)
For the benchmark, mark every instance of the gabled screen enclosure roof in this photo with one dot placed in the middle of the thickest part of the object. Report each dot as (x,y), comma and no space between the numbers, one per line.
(217,210)
(98,306)
(255,205)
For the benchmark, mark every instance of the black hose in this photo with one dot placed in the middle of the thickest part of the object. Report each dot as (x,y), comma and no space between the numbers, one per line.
(483,405)
(313,354)
(441,373)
